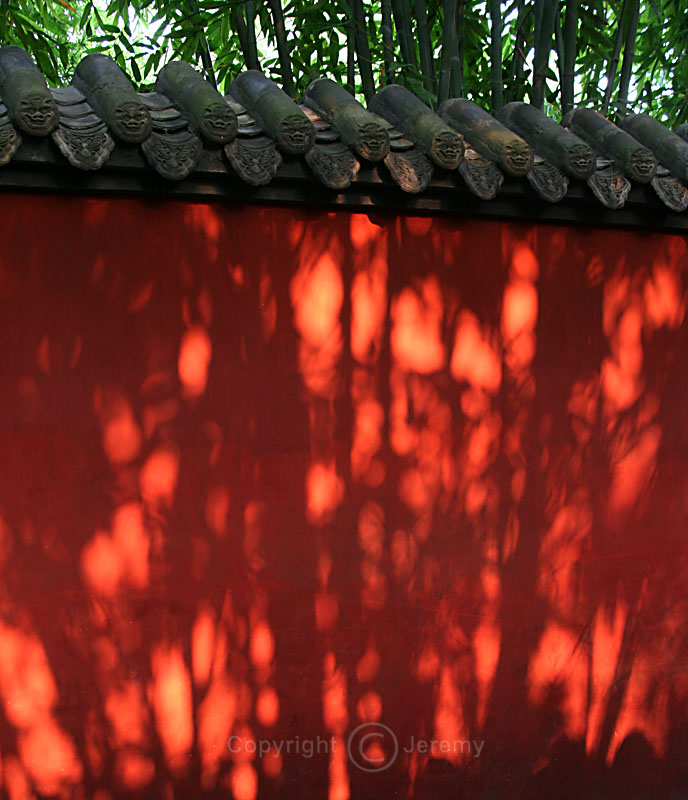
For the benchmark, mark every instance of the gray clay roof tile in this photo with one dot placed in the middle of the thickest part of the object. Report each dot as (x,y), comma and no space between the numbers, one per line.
(186,125)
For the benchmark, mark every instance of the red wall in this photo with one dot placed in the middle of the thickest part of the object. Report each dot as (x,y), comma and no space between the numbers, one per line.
(267,475)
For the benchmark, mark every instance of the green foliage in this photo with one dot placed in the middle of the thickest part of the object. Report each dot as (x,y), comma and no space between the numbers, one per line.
(142,35)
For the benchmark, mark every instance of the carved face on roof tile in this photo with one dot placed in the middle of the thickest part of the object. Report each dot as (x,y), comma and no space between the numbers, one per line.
(256,156)
(610,187)
(548,181)
(671,191)
(173,159)
(372,141)
(84,149)
(580,160)
(296,134)
(447,149)
(481,175)
(256,160)
(411,169)
(9,141)
(334,164)
(518,157)
(131,122)
(7,134)
(219,123)
(36,114)
(642,165)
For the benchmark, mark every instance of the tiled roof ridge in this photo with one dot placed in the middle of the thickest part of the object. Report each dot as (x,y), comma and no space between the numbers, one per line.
(185,120)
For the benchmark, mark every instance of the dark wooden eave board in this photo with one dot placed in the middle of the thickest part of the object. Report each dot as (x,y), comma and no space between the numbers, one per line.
(39,167)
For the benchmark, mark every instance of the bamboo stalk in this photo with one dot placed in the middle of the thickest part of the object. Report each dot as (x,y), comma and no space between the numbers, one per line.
(410,38)
(387,40)
(456,74)
(206,59)
(570,32)
(496,54)
(351,55)
(538,7)
(629,53)
(518,56)
(399,24)
(253,62)
(614,60)
(427,62)
(282,46)
(363,50)
(448,37)
(545,11)
(559,44)
(242,32)
(683,112)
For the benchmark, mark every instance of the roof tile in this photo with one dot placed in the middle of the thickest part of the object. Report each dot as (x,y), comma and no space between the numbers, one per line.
(185,125)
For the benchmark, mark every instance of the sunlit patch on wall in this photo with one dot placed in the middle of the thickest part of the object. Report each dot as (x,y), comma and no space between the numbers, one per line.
(101,564)
(324,493)
(369,707)
(244,782)
(368,665)
(561,660)
(203,645)
(474,359)
(272,763)
(216,510)
(448,722)
(416,328)
(127,713)
(428,664)
(607,635)
(370,460)
(29,696)
(195,353)
(335,712)
(215,719)
(317,293)
(262,645)
(16,781)
(267,707)
(170,696)
(121,433)
(158,478)
(133,770)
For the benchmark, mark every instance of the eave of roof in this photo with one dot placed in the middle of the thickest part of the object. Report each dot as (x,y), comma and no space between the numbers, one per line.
(258,145)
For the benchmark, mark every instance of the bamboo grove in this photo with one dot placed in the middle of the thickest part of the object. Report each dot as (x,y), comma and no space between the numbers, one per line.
(612,55)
